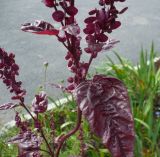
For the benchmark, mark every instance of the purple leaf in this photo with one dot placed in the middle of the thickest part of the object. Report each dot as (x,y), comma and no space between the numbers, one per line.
(72,11)
(90,19)
(40,27)
(7,106)
(104,102)
(49,3)
(58,15)
(116,24)
(101,37)
(90,29)
(92,12)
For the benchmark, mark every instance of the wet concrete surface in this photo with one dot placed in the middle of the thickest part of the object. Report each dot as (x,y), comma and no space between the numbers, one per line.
(140,26)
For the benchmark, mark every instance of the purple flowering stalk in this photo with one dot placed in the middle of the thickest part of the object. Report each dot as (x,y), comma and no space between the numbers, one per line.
(103,100)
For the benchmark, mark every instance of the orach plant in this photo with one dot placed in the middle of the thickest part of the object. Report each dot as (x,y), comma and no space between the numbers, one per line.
(102,100)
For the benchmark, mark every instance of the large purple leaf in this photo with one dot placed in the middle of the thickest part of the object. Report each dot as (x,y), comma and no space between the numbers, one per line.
(7,106)
(27,141)
(104,102)
(40,27)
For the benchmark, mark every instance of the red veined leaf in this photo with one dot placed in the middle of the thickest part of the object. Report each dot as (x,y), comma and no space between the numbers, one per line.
(7,106)
(40,27)
(104,102)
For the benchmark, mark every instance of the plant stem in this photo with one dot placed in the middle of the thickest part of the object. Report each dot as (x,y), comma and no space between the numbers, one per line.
(45,77)
(41,130)
(43,136)
(72,2)
(24,106)
(89,63)
(73,131)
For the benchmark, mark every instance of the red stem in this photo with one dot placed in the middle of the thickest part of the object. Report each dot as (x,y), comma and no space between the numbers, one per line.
(70,47)
(89,63)
(73,131)
(24,106)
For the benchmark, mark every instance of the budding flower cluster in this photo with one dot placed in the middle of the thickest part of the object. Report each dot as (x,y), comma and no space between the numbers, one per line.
(8,72)
(40,103)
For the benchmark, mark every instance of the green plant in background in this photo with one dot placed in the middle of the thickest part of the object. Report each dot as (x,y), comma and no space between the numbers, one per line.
(8,150)
(143,84)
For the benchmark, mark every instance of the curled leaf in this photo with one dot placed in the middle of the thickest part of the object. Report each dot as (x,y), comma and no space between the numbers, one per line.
(7,106)
(104,102)
(40,27)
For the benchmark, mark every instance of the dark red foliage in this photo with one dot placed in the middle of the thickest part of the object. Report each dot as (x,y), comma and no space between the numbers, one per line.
(101,37)
(49,3)
(104,102)
(71,10)
(58,15)
(70,79)
(115,25)
(92,12)
(90,19)
(23,125)
(8,72)
(40,27)
(90,28)
(101,21)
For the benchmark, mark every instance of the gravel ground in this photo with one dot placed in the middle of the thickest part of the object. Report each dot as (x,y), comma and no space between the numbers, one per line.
(140,26)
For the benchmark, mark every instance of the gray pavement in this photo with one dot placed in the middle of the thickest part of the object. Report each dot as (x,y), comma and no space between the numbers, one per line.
(140,26)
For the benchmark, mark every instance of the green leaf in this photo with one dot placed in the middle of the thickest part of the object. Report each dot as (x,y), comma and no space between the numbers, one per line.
(142,123)
(66,124)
